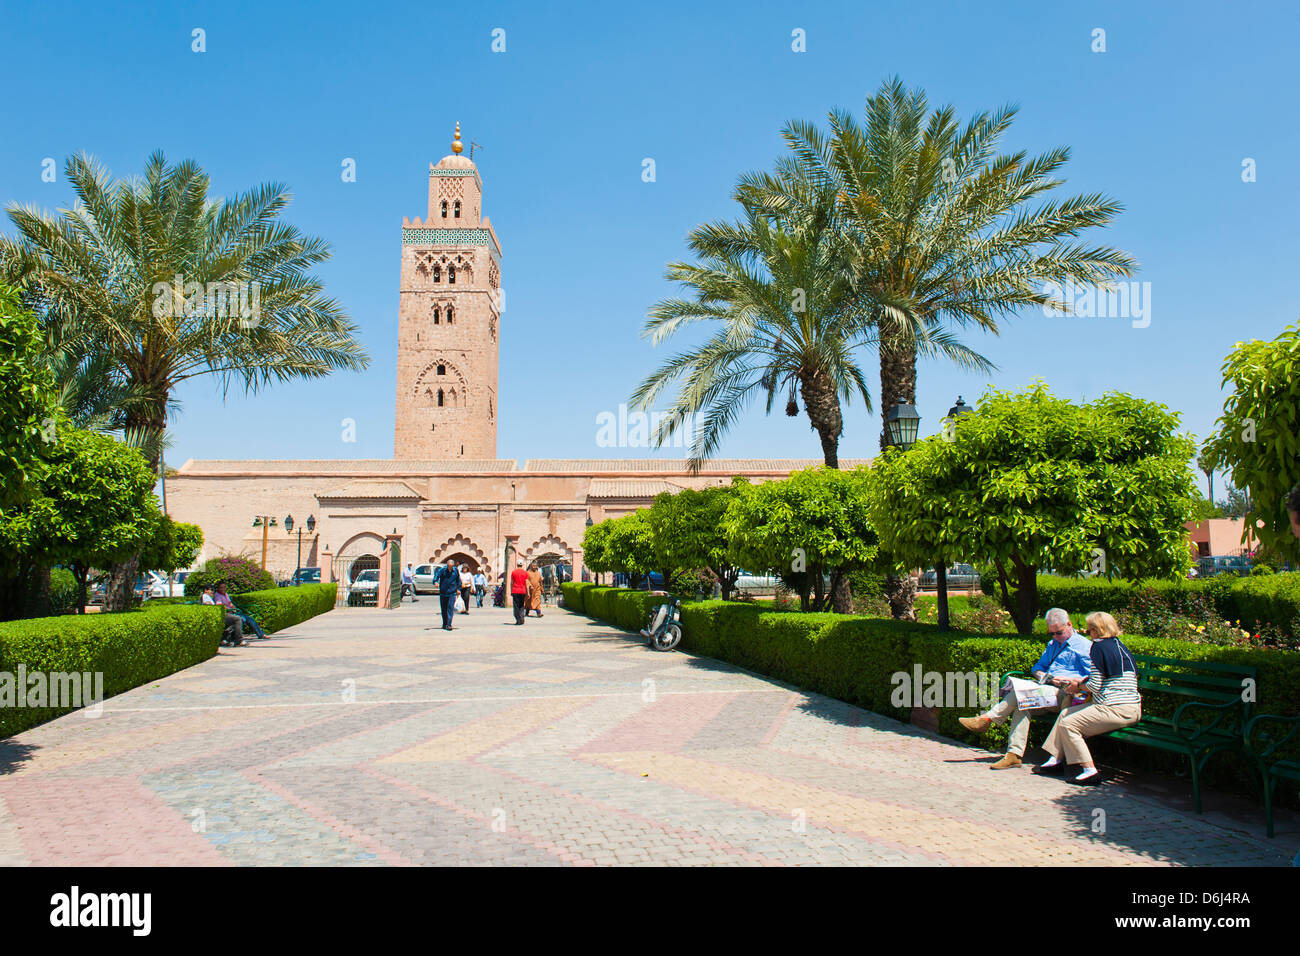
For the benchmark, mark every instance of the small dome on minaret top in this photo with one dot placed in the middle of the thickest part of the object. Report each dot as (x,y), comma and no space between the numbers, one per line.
(454,159)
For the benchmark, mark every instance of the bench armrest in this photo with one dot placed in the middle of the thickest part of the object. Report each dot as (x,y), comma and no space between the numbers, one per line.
(1191,728)
(1271,744)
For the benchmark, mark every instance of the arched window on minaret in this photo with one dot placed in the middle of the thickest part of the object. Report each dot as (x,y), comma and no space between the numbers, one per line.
(456,209)
(449,315)
(444,209)
(452,395)
(435,315)
(451,275)
(437,272)
(440,398)
(442,370)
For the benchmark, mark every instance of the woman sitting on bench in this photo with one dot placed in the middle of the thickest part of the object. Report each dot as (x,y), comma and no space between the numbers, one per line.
(1115,701)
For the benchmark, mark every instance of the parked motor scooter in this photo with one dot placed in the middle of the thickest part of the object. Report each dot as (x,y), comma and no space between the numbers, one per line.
(664,629)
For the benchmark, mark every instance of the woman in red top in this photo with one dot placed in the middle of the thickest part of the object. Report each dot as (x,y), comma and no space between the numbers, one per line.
(519,590)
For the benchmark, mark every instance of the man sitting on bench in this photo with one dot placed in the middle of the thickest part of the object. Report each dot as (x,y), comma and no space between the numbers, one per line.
(1064,659)
(1115,701)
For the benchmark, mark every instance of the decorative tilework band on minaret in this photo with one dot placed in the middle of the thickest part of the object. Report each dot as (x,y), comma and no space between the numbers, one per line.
(448,321)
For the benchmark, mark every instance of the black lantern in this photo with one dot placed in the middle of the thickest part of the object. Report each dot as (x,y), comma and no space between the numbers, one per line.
(901,424)
(589,521)
(960,409)
(288,524)
(311,523)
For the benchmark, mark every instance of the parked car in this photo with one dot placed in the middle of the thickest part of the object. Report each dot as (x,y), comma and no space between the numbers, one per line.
(960,577)
(423,577)
(365,589)
(305,576)
(1213,565)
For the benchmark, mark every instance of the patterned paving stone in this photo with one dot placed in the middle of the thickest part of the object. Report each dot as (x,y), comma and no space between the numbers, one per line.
(372,738)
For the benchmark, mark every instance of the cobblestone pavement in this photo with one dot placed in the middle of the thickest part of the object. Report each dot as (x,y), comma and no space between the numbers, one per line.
(374,737)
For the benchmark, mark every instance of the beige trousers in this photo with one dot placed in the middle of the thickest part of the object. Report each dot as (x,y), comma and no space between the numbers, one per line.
(1066,739)
(1018,737)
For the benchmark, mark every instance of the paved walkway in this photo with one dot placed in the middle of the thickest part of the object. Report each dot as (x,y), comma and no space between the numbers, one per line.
(367,737)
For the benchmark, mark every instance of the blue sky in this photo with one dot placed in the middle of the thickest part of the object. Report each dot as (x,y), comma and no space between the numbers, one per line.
(1161,121)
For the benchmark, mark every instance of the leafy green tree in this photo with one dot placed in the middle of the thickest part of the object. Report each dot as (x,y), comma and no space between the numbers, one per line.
(25,398)
(146,284)
(1258,436)
(1030,481)
(805,527)
(1235,505)
(622,545)
(687,535)
(95,506)
(172,545)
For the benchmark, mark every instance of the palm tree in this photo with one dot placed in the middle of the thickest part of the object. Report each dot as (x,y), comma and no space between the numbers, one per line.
(940,228)
(135,287)
(777,292)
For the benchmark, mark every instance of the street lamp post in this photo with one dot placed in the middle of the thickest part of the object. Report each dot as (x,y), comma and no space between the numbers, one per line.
(941,567)
(265,522)
(288,526)
(900,428)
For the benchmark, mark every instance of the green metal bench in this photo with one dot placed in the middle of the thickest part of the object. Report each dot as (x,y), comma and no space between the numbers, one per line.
(1267,736)
(1213,720)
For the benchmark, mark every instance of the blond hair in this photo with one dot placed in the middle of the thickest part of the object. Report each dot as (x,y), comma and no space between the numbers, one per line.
(1105,624)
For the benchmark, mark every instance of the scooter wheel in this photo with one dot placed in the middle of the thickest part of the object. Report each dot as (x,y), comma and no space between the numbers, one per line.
(667,639)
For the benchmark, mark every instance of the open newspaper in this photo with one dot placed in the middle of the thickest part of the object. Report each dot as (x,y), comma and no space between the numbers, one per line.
(1031,695)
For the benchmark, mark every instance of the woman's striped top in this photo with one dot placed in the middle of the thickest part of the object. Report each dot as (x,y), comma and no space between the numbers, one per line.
(1112,675)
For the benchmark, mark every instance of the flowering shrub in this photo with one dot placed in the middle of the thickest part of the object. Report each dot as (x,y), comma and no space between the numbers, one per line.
(1190,616)
(239,575)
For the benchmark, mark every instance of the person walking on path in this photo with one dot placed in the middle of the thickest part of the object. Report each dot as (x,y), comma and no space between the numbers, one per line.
(1115,701)
(466,585)
(480,585)
(447,579)
(408,583)
(519,590)
(534,590)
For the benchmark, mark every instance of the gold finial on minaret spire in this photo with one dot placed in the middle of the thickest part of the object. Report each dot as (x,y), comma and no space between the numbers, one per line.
(456,147)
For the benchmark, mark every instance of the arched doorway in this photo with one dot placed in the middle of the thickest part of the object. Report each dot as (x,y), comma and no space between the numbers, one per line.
(364,562)
(461,558)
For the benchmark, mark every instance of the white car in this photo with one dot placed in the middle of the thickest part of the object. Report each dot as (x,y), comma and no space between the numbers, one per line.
(365,589)
(423,578)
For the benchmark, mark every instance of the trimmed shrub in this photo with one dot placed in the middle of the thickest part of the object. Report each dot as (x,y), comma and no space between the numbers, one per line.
(278,608)
(129,649)
(572,592)
(239,575)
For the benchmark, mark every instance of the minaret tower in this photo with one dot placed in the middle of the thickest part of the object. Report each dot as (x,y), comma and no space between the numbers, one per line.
(449,321)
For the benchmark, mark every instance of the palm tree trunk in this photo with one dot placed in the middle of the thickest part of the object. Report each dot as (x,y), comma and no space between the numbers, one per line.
(823,408)
(897,384)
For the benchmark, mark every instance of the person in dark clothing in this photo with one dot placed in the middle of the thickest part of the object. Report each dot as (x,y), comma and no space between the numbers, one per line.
(519,590)
(447,579)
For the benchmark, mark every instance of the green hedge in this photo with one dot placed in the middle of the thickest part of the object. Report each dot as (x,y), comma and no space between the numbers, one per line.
(854,659)
(1268,598)
(572,592)
(278,608)
(128,649)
